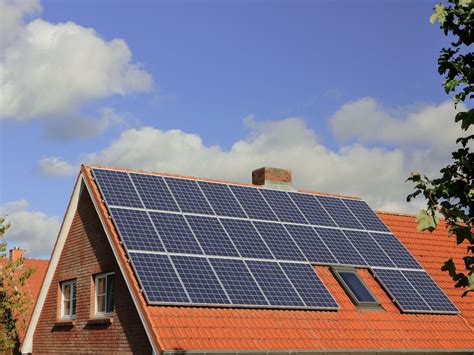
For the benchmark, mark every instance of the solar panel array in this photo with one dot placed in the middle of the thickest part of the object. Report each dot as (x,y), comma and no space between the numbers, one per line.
(208,243)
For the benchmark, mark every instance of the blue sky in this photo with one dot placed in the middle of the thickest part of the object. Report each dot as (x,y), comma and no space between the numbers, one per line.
(346,94)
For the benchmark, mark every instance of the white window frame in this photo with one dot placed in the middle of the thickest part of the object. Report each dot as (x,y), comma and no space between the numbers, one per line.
(96,289)
(64,297)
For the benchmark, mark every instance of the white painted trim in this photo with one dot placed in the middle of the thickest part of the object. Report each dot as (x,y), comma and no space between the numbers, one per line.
(27,346)
(73,290)
(96,293)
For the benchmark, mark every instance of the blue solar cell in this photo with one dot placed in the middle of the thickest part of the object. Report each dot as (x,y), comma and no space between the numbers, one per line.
(211,236)
(154,193)
(365,215)
(158,278)
(238,282)
(310,244)
(309,286)
(222,200)
(175,233)
(136,230)
(117,188)
(312,209)
(189,196)
(246,239)
(279,241)
(340,246)
(339,212)
(368,248)
(430,291)
(200,280)
(253,203)
(402,291)
(274,284)
(283,206)
(399,255)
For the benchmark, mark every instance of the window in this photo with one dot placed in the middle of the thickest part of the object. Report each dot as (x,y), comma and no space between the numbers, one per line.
(68,299)
(355,288)
(104,294)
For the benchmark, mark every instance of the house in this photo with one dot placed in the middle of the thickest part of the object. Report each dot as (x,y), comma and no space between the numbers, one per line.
(32,286)
(134,270)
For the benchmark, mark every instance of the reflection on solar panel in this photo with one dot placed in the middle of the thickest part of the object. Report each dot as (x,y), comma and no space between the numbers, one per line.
(274,284)
(246,239)
(253,203)
(431,293)
(283,206)
(189,196)
(312,209)
(200,280)
(211,236)
(402,291)
(175,233)
(368,248)
(396,251)
(136,229)
(339,212)
(309,286)
(154,193)
(158,278)
(340,246)
(279,241)
(365,215)
(238,282)
(222,200)
(116,188)
(310,244)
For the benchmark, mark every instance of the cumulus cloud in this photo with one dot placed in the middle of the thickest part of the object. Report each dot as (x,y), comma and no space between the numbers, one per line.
(51,69)
(33,231)
(12,13)
(54,166)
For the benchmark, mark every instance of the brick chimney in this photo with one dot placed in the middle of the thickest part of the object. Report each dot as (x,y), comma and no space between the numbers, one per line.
(274,178)
(16,253)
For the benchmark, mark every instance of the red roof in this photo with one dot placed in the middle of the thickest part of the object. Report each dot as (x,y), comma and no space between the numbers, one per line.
(349,328)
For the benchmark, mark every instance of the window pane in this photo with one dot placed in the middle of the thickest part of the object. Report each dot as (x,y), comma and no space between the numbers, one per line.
(101,285)
(73,310)
(110,293)
(100,303)
(356,286)
(66,308)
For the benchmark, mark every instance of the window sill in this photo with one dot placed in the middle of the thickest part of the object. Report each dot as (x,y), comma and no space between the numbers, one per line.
(101,320)
(65,323)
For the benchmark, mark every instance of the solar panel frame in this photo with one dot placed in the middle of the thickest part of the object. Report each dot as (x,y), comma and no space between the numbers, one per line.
(365,215)
(189,196)
(312,209)
(227,204)
(154,192)
(283,206)
(339,212)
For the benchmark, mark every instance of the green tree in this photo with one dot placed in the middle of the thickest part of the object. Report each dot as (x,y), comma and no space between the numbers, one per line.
(451,194)
(14,302)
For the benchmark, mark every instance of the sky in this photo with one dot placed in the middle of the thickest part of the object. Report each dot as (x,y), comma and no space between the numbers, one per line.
(346,94)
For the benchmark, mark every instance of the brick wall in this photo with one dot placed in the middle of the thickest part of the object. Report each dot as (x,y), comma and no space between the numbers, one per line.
(87,252)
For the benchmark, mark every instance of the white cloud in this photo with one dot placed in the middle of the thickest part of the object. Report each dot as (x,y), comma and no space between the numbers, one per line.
(12,13)
(30,230)
(53,166)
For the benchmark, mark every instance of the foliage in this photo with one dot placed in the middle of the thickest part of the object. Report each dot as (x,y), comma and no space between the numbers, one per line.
(14,302)
(452,194)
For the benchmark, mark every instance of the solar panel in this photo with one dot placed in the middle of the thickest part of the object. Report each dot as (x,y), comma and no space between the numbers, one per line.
(340,246)
(200,280)
(222,200)
(310,244)
(431,293)
(189,196)
(283,206)
(158,278)
(253,203)
(309,286)
(402,291)
(399,255)
(246,239)
(365,215)
(368,248)
(136,229)
(117,188)
(211,236)
(339,212)
(175,233)
(154,193)
(238,282)
(274,284)
(312,209)
(279,241)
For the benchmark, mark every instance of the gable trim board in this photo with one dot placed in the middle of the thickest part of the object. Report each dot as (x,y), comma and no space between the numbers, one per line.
(82,181)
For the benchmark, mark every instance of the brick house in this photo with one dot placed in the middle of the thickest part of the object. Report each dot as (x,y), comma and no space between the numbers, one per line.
(95,297)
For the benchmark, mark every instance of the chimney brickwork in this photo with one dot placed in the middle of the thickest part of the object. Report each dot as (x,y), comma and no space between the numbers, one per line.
(16,253)
(266,176)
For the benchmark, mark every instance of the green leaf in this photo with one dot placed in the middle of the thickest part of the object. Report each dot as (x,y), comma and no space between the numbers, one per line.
(426,221)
